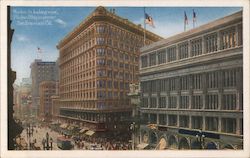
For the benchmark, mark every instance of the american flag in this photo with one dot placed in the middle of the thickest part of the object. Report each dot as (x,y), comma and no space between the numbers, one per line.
(149,20)
(185,19)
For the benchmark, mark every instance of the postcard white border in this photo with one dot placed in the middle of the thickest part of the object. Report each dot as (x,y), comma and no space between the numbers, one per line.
(124,154)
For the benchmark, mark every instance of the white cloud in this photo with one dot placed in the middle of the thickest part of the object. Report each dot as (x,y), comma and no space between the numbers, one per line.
(61,22)
(22,38)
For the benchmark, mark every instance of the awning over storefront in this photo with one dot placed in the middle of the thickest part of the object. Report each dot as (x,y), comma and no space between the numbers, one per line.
(83,130)
(65,125)
(142,146)
(89,133)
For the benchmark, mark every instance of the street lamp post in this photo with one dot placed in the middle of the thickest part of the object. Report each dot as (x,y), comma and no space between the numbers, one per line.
(47,142)
(134,95)
(200,139)
(29,131)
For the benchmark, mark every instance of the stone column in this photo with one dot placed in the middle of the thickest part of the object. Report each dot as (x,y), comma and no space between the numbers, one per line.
(218,40)
(203,123)
(178,121)
(177,52)
(236,35)
(239,87)
(220,87)
(203,40)
(189,48)
(238,126)
(204,86)
(190,122)
(157,119)
(219,124)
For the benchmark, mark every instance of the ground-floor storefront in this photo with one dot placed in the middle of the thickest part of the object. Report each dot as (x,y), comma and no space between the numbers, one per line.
(174,138)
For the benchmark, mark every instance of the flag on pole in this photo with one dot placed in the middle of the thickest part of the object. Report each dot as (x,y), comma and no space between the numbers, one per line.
(39,50)
(194,18)
(185,20)
(149,20)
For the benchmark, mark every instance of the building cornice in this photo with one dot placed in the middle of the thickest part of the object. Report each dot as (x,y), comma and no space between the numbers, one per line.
(219,23)
(101,14)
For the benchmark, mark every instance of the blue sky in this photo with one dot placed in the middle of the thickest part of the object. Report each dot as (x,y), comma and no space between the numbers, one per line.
(56,22)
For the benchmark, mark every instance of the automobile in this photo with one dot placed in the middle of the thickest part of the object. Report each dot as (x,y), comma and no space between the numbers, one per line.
(64,143)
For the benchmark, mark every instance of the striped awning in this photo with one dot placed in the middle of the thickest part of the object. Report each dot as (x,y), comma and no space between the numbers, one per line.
(83,130)
(89,133)
(142,146)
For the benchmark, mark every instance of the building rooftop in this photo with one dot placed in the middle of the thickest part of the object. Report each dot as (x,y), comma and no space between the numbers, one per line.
(100,13)
(196,31)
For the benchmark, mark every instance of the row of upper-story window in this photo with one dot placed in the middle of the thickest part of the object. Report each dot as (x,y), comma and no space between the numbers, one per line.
(220,40)
(120,34)
(91,95)
(228,101)
(132,44)
(86,60)
(226,125)
(78,73)
(211,80)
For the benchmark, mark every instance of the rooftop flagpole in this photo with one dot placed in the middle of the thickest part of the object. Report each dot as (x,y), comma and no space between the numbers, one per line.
(144,26)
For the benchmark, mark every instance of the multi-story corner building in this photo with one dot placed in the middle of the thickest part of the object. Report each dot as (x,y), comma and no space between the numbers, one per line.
(41,71)
(98,61)
(46,90)
(192,88)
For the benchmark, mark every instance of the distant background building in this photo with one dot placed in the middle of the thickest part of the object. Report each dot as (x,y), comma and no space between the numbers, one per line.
(41,71)
(46,90)
(98,61)
(194,81)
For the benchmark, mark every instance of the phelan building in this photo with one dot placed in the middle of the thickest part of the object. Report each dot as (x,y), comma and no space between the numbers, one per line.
(98,60)
(192,85)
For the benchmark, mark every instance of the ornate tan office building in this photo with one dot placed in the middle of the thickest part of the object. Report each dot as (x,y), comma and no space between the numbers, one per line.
(98,61)
(192,88)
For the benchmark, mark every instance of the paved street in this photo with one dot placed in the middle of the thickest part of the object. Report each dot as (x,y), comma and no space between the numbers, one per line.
(39,134)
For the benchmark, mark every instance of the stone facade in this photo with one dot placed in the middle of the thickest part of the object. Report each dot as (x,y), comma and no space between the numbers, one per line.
(98,60)
(46,90)
(194,81)
(41,71)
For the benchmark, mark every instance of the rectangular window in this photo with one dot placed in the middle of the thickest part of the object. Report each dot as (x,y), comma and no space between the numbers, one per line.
(172,120)
(211,123)
(228,125)
(197,122)
(153,102)
(153,86)
(196,47)
(212,101)
(213,79)
(171,53)
(197,102)
(229,78)
(162,119)
(184,82)
(173,84)
(184,121)
(183,50)
(172,102)
(145,102)
(152,59)
(228,38)
(229,102)
(211,43)
(100,51)
(197,81)
(161,57)
(184,102)
(162,102)
(153,118)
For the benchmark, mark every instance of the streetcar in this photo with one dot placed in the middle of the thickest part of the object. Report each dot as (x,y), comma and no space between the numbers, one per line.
(64,143)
